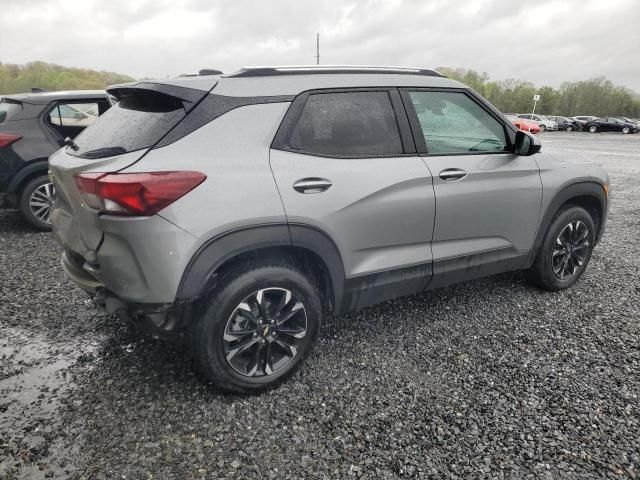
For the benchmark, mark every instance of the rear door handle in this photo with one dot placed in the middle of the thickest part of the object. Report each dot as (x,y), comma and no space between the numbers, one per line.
(452,174)
(312,185)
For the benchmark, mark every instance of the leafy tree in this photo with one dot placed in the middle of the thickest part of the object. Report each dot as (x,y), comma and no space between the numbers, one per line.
(21,78)
(596,96)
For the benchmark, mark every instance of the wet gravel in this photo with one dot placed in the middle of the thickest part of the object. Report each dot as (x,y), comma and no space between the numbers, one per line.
(488,379)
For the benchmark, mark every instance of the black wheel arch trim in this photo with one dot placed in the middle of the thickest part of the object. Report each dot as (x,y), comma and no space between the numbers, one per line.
(592,188)
(34,167)
(221,248)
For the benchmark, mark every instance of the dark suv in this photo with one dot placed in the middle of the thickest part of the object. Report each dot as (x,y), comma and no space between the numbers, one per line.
(32,127)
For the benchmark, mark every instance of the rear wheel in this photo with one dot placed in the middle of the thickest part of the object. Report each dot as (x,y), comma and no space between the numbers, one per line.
(257,328)
(593,129)
(569,128)
(36,202)
(565,251)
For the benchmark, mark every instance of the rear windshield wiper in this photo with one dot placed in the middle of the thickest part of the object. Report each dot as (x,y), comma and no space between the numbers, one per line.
(103,152)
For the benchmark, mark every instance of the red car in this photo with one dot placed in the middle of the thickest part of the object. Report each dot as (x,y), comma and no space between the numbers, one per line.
(524,124)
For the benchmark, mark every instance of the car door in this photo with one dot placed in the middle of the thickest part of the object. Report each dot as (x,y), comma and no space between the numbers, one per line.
(487,197)
(345,165)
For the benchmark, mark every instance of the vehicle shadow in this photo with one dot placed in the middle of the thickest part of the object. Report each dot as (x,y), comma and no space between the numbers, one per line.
(12,221)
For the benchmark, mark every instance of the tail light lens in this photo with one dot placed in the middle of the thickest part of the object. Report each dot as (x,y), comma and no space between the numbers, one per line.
(135,194)
(7,139)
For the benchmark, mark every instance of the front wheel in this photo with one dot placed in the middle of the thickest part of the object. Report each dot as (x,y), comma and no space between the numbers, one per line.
(626,130)
(593,129)
(569,128)
(257,328)
(36,202)
(542,128)
(565,251)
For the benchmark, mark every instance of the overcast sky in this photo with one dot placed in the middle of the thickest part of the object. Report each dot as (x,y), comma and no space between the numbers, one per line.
(543,41)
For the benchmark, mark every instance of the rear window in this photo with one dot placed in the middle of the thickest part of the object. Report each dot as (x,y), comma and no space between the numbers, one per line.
(8,109)
(138,120)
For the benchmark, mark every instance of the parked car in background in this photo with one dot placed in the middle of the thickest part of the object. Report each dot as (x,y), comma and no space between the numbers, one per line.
(32,127)
(544,122)
(583,119)
(611,124)
(565,123)
(236,209)
(524,124)
(634,121)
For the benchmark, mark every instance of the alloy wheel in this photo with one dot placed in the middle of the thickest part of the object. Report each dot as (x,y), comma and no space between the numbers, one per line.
(570,250)
(41,202)
(265,332)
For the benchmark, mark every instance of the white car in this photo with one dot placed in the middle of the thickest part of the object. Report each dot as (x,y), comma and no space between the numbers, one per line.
(545,123)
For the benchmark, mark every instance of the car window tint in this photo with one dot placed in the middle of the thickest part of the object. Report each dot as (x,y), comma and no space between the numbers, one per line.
(138,120)
(452,122)
(74,114)
(350,124)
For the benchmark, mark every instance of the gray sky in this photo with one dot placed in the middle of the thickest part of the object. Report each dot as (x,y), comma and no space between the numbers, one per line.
(543,41)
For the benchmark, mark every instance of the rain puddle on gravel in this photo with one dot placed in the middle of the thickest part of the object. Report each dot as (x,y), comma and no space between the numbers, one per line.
(33,378)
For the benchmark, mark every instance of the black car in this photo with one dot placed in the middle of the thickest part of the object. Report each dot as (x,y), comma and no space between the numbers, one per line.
(32,127)
(565,123)
(610,124)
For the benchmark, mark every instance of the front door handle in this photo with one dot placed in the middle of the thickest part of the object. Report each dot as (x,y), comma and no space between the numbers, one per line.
(312,185)
(452,174)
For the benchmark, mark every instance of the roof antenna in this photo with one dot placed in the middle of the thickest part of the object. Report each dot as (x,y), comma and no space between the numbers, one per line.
(317,49)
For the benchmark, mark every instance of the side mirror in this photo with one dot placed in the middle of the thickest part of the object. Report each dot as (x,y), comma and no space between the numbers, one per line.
(526,144)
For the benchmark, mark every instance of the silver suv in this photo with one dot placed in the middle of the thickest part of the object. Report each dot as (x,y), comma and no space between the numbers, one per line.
(239,210)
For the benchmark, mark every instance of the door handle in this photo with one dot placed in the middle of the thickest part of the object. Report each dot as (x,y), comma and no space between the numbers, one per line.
(452,174)
(312,185)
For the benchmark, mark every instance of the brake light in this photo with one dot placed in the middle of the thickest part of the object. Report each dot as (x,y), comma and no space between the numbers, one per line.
(7,139)
(135,194)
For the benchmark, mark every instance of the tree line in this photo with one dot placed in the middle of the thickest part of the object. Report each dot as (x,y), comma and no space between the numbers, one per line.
(596,96)
(21,78)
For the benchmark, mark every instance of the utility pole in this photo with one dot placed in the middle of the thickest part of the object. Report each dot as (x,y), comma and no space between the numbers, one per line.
(317,49)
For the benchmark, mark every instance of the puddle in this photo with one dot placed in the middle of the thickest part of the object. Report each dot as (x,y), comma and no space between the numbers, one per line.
(33,378)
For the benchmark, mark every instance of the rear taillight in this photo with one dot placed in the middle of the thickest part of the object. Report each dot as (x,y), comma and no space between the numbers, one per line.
(135,194)
(7,139)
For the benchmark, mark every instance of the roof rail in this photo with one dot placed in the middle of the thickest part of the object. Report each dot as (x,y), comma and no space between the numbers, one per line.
(328,69)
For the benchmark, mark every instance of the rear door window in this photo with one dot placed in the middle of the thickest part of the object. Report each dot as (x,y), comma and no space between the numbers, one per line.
(453,123)
(138,120)
(8,109)
(347,124)
(71,118)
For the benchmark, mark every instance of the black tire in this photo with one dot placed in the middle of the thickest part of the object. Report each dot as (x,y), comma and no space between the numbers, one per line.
(541,273)
(626,130)
(570,128)
(542,128)
(207,336)
(28,213)
(593,129)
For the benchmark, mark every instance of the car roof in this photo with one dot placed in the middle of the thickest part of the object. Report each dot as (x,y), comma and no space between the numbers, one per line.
(40,98)
(292,80)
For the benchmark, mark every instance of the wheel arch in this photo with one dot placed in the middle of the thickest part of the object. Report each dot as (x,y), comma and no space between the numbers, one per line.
(588,195)
(308,248)
(27,173)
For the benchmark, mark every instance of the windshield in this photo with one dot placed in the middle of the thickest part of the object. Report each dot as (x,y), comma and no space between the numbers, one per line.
(138,120)
(8,108)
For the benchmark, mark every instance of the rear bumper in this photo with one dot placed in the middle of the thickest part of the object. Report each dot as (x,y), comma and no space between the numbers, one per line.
(159,319)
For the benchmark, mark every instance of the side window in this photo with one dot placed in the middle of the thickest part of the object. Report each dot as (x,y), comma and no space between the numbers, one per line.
(74,114)
(452,123)
(349,124)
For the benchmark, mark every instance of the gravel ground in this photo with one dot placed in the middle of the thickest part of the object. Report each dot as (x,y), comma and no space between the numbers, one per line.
(488,379)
